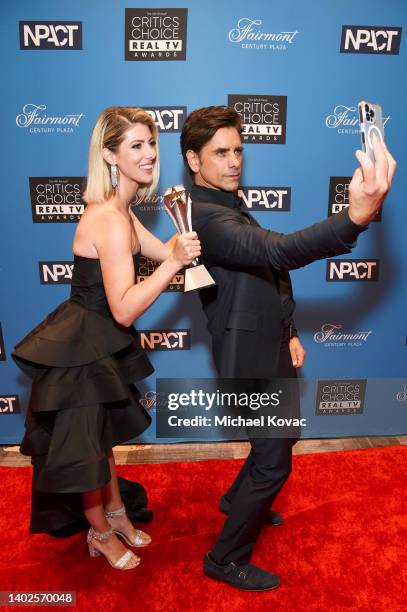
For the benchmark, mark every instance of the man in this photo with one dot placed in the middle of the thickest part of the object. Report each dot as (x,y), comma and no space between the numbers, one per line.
(250,309)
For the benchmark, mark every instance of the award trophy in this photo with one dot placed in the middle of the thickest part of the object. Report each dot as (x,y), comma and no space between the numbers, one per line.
(177,203)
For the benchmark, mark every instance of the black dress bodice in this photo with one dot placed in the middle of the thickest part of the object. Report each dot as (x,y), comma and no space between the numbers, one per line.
(87,284)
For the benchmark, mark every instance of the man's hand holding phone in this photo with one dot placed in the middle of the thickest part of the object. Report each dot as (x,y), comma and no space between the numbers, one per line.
(370,183)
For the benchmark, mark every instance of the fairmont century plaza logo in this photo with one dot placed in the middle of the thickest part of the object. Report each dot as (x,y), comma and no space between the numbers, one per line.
(331,335)
(248,34)
(38,122)
(344,119)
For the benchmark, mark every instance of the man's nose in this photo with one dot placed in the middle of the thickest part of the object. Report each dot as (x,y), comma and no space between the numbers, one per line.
(234,159)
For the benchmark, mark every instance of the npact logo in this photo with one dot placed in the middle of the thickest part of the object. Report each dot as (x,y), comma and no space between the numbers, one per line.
(362,270)
(371,39)
(168,118)
(266,198)
(9,404)
(166,340)
(65,35)
(55,272)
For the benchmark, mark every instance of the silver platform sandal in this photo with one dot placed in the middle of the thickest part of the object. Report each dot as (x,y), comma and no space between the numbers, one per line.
(123,562)
(140,539)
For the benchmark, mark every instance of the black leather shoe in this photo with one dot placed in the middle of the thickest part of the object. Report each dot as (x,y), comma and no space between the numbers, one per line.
(273,518)
(246,577)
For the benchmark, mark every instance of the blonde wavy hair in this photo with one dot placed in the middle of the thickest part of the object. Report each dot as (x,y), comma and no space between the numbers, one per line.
(108,132)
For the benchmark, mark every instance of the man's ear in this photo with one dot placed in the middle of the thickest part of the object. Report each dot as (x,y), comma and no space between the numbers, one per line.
(109,156)
(193,161)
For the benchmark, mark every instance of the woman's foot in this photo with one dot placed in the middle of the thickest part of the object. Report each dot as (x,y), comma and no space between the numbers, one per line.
(112,548)
(123,527)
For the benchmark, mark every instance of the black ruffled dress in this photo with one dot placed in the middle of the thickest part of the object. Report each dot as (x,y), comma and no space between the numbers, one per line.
(83,401)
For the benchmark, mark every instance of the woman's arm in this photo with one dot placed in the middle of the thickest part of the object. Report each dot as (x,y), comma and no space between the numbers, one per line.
(151,246)
(128,300)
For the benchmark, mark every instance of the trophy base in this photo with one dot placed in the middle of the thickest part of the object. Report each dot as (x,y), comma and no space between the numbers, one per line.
(197,277)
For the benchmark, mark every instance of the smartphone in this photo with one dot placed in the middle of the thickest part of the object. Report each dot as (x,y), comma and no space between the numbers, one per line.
(371,122)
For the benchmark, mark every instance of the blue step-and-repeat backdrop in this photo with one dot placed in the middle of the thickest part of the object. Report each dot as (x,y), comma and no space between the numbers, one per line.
(295,71)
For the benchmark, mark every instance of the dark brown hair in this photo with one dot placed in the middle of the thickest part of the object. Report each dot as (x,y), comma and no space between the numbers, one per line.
(202,124)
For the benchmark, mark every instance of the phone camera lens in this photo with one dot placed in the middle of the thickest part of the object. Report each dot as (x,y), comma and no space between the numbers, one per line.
(370,115)
(366,107)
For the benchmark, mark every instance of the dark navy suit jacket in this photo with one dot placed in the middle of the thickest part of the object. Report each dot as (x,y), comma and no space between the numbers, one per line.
(250,309)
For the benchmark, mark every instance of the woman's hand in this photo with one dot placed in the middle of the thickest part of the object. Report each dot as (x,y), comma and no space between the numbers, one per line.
(186,248)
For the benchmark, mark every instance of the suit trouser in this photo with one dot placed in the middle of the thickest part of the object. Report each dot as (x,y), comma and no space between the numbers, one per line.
(260,479)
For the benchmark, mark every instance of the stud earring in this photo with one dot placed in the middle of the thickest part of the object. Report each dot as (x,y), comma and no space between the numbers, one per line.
(114,176)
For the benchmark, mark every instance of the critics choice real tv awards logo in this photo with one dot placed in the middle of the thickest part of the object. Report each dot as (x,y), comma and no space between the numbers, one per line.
(165,340)
(155,34)
(266,198)
(371,39)
(340,397)
(339,195)
(57,199)
(249,34)
(263,117)
(36,121)
(147,266)
(352,270)
(39,35)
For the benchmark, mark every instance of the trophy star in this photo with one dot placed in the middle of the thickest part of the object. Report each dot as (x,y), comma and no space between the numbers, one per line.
(174,194)
(178,192)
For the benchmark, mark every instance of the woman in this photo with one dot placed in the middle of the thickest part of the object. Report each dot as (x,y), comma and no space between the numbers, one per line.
(84,357)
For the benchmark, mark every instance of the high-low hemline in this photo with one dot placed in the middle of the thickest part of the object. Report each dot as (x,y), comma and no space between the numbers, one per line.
(83,367)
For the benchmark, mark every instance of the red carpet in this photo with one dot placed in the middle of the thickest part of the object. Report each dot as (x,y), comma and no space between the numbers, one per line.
(343,545)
